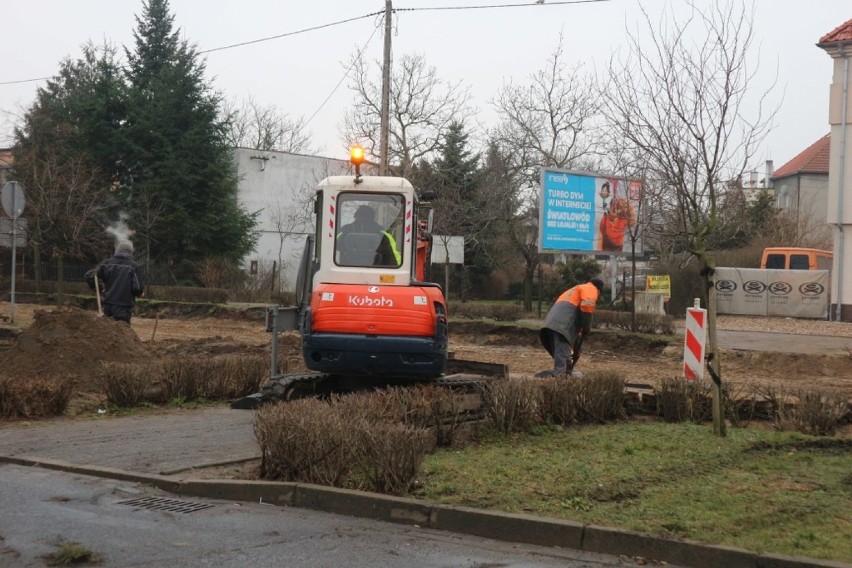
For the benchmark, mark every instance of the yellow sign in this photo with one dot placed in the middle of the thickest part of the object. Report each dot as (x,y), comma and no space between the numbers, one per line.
(659,284)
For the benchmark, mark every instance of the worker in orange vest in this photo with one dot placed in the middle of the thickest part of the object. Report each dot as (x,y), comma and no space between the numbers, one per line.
(567,323)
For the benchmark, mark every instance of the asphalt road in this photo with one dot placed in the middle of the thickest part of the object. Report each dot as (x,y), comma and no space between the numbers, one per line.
(40,509)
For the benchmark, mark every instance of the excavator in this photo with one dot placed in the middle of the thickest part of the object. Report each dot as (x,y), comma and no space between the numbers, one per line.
(366,315)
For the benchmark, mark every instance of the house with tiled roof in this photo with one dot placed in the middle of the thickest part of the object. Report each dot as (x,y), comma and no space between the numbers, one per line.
(801,185)
(841,33)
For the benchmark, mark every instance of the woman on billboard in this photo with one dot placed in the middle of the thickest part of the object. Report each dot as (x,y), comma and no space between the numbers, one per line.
(618,216)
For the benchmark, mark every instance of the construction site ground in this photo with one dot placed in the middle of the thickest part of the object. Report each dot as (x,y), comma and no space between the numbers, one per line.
(778,352)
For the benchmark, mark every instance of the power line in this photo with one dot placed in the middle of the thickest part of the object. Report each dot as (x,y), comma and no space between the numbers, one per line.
(346,74)
(524,5)
(234,45)
(339,22)
(311,29)
(26,80)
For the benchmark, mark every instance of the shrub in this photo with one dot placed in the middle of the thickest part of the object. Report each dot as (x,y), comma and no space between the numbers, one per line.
(558,400)
(27,286)
(428,407)
(34,398)
(679,400)
(575,270)
(182,378)
(809,412)
(188,294)
(313,441)
(499,311)
(306,440)
(600,398)
(434,407)
(510,404)
(373,407)
(234,376)
(218,378)
(125,384)
(645,323)
(392,455)
(744,403)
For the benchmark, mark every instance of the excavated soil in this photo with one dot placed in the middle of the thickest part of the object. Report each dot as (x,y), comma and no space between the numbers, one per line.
(73,342)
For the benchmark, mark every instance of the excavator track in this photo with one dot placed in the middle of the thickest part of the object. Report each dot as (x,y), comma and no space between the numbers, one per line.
(463,377)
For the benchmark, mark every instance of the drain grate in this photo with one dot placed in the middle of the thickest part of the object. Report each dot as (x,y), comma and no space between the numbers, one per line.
(170,505)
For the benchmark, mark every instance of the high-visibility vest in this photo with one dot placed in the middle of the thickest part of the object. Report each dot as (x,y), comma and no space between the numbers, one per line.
(396,254)
(584,296)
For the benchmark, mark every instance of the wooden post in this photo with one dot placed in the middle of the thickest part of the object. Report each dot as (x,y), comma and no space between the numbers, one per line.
(714,361)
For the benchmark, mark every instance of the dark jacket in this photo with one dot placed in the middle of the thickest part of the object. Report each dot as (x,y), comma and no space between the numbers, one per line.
(120,277)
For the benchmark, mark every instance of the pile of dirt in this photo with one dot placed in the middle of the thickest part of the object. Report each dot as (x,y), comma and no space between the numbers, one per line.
(71,342)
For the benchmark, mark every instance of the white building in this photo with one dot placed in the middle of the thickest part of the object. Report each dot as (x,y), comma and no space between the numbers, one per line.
(280,187)
(838,45)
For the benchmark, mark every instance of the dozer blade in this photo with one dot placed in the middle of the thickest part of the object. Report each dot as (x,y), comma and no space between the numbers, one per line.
(466,367)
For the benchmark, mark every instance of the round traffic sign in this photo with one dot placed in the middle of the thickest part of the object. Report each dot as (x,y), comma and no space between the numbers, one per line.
(13,199)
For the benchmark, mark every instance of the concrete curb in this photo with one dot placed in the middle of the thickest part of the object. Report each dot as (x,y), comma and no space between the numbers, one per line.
(525,529)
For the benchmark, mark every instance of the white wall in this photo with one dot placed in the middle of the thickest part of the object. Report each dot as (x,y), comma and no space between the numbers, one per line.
(281,186)
(840,178)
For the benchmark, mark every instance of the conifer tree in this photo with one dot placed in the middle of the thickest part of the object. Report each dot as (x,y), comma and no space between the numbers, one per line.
(181,188)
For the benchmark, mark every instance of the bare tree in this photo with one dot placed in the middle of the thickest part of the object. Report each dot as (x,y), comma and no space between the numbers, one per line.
(547,121)
(266,128)
(684,99)
(289,222)
(66,202)
(544,122)
(422,106)
(294,219)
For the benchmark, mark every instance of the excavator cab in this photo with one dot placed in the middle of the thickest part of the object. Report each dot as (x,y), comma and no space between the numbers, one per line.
(368,312)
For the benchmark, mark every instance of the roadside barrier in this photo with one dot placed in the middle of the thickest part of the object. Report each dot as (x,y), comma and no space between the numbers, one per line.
(694,341)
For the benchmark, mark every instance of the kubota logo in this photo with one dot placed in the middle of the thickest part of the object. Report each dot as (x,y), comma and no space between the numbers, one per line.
(370,302)
(373,289)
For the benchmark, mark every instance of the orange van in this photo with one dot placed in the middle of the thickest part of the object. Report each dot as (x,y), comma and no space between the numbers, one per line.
(795,258)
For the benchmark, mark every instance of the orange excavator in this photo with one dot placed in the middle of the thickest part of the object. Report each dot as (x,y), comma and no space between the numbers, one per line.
(365,313)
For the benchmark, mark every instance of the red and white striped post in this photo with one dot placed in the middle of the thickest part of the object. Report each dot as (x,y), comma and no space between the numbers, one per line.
(694,341)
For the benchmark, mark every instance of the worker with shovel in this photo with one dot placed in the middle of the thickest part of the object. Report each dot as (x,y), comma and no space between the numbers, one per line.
(117,279)
(567,323)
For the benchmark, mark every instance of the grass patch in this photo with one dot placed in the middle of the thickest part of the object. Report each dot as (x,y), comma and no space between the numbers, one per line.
(769,492)
(70,553)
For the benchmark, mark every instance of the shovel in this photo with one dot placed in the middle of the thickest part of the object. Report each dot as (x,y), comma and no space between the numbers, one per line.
(98,294)
(578,342)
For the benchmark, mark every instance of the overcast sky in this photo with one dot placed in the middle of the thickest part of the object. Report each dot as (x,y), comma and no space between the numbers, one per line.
(482,47)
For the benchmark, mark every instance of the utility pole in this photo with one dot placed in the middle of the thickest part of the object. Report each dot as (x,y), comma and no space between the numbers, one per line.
(383,143)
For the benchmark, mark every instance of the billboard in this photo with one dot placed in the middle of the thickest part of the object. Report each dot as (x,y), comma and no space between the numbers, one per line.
(587,213)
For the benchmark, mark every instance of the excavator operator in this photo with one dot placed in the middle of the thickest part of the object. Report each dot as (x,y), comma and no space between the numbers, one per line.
(387,253)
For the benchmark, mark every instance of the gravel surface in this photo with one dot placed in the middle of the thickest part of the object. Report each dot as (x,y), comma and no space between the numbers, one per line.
(785,325)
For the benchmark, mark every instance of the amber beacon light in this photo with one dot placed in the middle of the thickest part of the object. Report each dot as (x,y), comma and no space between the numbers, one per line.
(356,156)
